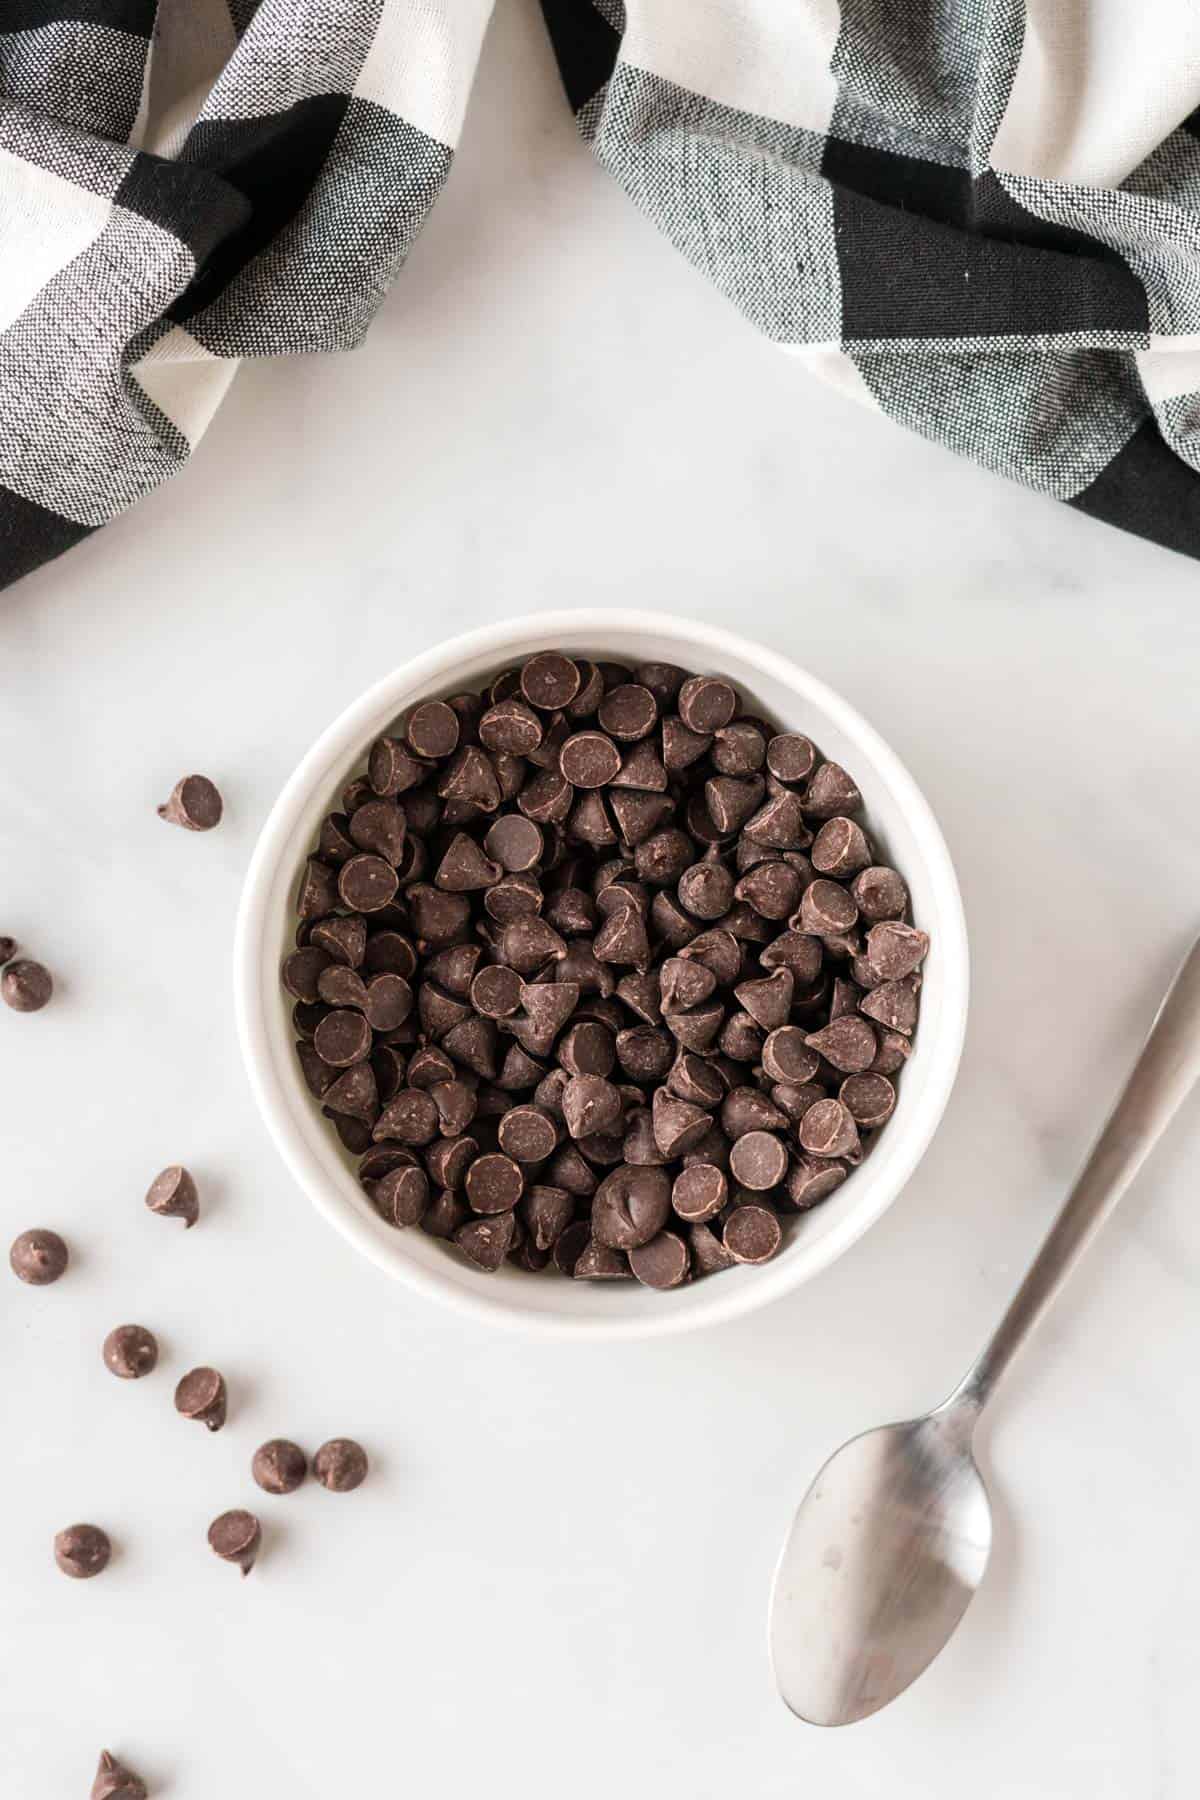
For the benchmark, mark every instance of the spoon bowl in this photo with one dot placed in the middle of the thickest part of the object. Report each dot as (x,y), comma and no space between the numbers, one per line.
(884,1554)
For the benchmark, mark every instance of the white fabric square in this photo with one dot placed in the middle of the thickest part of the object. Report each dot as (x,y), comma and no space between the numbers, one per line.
(422,61)
(185,381)
(45,223)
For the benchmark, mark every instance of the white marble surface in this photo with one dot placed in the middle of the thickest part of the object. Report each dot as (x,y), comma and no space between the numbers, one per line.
(556,1580)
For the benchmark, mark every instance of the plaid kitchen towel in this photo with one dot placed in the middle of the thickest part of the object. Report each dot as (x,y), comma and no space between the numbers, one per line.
(981,217)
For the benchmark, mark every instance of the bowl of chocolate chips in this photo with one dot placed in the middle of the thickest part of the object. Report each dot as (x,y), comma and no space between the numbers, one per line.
(601,973)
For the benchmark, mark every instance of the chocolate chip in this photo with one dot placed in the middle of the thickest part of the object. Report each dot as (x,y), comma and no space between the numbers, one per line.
(848,1043)
(706,889)
(494,1184)
(339,986)
(514,842)
(38,1257)
(798,951)
(828,1129)
(342,1038)
(732,800)
(768,998)
(708,1253)
(830,792)
(630,1206)
(391,770)
(662,678)
(340,1465)
(738,749)
(201,1395)
(716,950)
(279,1466)
(681,746)
(427,1066)
(695,1080)
(827,910)
(840,849)
(82,1551)
(706,703)
(26,986)
(8,949)
(391,953)
(433,730)
(550,681)
(628,712)
(194,803)
(528,1135)
(411,1118)
(114,1781)
(779,823)
(546,1212)
(401,1196)
(590,1104)
(381,828)
(236,1537)
(894,1004)
(439,919)
(486,1242)
(662,1263)
(746,1109)
(791,757)
(366,883)
(895,950)
(758,1161)
(787,1056)
(596,1262)
(130,1351)
(869,1099)
(752,1234)
(343,939)
(771,888)
(879,893)
(589,759)
(699,1193)
(642,770)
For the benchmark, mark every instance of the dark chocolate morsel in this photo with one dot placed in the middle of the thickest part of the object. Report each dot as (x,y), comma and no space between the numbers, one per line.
(82,1551)
(130,1351)
(869,1099)
(699,1193)
(572,1241)
(550,681)
(752,1234)
(758,1161)
(790,757)
(279,1466)
(115,1781)
(381,827)
(661,1263)
(486,1242)
(893,1004)
(812,1179)
(366,883)
(432,730)
(848,1043)
(8,949)
(706,703)
(879,893)
(340,1465)
(38,1257)
(201,1395)
(630,1206)
(840,849)
(236,1537)
(708,1252)
(194,803)
(828,1129)
(173,1194)
(596,1262)
(26,986)
(628,712)
(831,792)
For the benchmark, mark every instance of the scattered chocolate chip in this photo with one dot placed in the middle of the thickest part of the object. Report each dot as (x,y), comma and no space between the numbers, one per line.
(38,1257)
(114,1781)
(26,986)
(130,1351)
(82,1551)
(366,883)
(236,1537)
(8,949)
(201,1395)
(194,803)
(279,1466)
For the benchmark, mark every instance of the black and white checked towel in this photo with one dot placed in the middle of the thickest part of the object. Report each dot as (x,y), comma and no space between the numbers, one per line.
(980,216)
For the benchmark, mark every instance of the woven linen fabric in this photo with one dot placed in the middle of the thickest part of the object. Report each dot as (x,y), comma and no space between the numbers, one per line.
(980,217)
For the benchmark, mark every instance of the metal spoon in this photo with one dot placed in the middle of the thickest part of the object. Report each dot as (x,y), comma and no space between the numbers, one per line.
(892,1538)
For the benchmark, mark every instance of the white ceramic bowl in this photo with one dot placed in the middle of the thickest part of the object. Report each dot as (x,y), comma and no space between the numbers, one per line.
(900,823)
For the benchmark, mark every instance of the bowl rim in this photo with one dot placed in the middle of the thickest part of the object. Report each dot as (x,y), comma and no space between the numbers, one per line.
(355,725)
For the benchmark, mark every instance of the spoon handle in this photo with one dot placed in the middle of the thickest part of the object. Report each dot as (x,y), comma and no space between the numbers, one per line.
(1159,1082)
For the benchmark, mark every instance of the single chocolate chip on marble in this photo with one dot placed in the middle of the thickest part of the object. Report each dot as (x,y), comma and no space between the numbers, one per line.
(661,1263)
(752,1234)
(840,849)
(596,1262)
(433,730)
(827,910)
(366,883)
(706,703)
(895,950)
(236,1537)
(515,843)
(342,1038)
(848,1043)
(628,712)
(828,1129)
(115,1781)
(340,1465)
(630,1206)
(130,1351)
(550,681)
(173,1193)
(38,1257)
(26,986)
(787,1057)
(893,1004)
(831,792)
(82,1551)
(201,1395)
(758,1161)
(791,757)
(699,1193)
(194,803)
(589,759)
(486,1242)
(279,1466)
